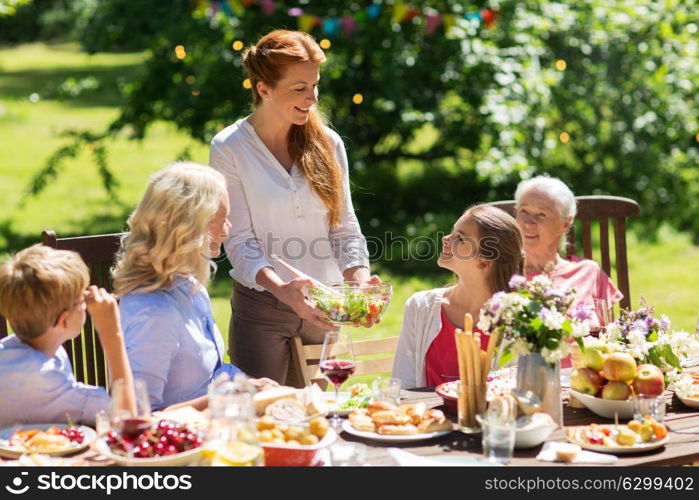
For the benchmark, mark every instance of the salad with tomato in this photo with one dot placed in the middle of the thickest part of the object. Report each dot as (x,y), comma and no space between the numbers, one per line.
(352,305)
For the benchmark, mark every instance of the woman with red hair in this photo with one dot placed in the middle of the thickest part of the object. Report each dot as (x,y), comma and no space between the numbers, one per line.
(288,182)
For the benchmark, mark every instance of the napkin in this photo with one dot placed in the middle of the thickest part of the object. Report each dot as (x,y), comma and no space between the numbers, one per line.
(408,459)
(548,454)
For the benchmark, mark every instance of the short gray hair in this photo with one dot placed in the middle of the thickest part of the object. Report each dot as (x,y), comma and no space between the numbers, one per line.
(555,188)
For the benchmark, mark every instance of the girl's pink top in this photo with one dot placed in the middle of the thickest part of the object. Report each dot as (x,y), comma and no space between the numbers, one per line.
(441,363)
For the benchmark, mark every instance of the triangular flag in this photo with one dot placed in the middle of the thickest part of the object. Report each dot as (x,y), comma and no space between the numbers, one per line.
(374,10)
(432,22)
(226,8)
(348,25)
(488,16)
(306,22)
(410,15)
(268,7)
(295,12)
(399,11)
(449,20)
(237,7)
(331,26)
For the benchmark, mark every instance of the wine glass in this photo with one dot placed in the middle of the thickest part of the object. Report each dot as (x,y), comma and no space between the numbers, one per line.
(337,364)
(604,316)
(129,413)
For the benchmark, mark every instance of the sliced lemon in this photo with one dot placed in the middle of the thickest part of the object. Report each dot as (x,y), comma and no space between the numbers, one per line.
(237,455)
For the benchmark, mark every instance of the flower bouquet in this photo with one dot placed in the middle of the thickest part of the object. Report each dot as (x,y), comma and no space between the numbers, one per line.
(648,339)
(535,322)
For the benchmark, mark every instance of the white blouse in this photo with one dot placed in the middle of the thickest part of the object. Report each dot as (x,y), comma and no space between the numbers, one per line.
(276,212)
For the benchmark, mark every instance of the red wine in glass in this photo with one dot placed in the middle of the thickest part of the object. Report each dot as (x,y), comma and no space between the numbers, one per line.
(337,370)
(132,428)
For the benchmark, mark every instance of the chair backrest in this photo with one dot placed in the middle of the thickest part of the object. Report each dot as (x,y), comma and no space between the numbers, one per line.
(98,252)
(600,209)
(307,358)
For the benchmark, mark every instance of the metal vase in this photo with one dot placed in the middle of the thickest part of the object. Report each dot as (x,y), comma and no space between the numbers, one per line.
(536,375)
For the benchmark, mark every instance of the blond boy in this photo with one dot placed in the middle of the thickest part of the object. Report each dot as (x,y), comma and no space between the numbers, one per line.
(44,295)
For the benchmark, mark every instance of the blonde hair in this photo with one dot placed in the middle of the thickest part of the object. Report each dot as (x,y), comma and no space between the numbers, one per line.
(309,145)
(168,230)
(37,285)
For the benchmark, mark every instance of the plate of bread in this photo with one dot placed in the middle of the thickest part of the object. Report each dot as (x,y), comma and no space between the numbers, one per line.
(384,421)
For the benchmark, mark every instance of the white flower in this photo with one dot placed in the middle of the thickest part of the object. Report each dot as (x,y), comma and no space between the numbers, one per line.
(581,329)
(555,355)
(637,343)
(684,385)
(593,342)
(520,347)
(541,280)
(612,332)
(484,323)
(553,320)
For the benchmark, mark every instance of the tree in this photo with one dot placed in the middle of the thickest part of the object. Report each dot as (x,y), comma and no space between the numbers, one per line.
(599,93)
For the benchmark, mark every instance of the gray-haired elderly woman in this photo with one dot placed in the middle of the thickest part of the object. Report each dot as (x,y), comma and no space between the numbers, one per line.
(546,208)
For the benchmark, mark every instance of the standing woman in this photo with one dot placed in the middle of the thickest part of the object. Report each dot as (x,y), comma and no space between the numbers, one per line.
(288,183)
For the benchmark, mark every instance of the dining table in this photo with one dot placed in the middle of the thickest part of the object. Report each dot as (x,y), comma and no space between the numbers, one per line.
(681,421)
(682,448)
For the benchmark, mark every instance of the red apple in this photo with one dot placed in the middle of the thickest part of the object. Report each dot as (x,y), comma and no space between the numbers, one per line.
(585,380)
(616,390)
(619,367)
(649,380)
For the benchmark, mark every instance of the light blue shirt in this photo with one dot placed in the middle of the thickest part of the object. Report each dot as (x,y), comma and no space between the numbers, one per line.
(172,341)
(36,388)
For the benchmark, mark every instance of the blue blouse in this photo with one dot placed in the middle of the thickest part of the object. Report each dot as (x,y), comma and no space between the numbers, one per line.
(172,341)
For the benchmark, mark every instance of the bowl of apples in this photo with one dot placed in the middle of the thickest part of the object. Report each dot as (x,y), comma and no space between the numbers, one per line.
(605,383)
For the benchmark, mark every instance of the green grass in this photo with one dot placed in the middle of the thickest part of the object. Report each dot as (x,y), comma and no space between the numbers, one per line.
(75,203)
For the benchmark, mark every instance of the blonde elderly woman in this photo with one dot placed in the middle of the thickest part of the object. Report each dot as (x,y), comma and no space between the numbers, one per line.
(546,208)
(163,265)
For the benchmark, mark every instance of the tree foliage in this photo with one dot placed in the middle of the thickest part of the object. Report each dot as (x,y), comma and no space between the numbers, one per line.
(601,93)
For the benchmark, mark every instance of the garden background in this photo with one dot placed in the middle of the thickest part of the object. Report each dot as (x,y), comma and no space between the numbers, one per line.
(441,104)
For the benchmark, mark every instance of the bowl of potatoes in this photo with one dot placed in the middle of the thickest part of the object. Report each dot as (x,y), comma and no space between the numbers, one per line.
(294,445)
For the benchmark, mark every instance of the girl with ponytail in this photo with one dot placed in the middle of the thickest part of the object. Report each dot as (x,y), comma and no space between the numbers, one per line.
(287,178)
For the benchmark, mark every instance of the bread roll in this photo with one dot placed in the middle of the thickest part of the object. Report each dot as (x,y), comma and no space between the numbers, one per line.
(416,412)
(263,399)
(391,417)
(377,406)
(431,425)
(404,429)
(362,422)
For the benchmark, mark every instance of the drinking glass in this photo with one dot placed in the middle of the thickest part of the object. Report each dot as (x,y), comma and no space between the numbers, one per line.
(129,417)
(604,315)
(648,405)
(337,364)
(386,389)
(498,439)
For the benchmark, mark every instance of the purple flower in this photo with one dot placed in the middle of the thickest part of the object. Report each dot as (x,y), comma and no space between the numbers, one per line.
(495,302)
(640,324)
(664,322)
(517,281)
(583,311)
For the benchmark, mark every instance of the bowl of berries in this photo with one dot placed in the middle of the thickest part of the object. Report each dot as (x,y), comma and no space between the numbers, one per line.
(163,443)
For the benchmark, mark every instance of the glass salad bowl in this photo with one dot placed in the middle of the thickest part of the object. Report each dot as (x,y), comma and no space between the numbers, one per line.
(351,303)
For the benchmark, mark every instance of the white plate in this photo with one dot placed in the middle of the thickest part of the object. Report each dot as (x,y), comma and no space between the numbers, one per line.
(332,406)
(621,450)
(691,402)
(392,438)
(176,460)
(6,433)
(605,407)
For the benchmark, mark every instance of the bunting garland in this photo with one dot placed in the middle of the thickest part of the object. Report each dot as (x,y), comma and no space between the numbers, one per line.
(400,12)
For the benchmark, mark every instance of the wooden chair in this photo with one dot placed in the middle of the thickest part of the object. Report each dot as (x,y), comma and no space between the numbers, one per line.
(306,358)
(600,209)
(98,252)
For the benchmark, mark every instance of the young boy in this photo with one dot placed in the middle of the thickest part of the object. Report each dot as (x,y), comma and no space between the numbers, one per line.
(44,295)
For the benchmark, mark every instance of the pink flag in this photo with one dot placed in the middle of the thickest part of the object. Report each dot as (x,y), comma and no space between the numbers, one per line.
(268,7)
(432,22)
(348,25)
